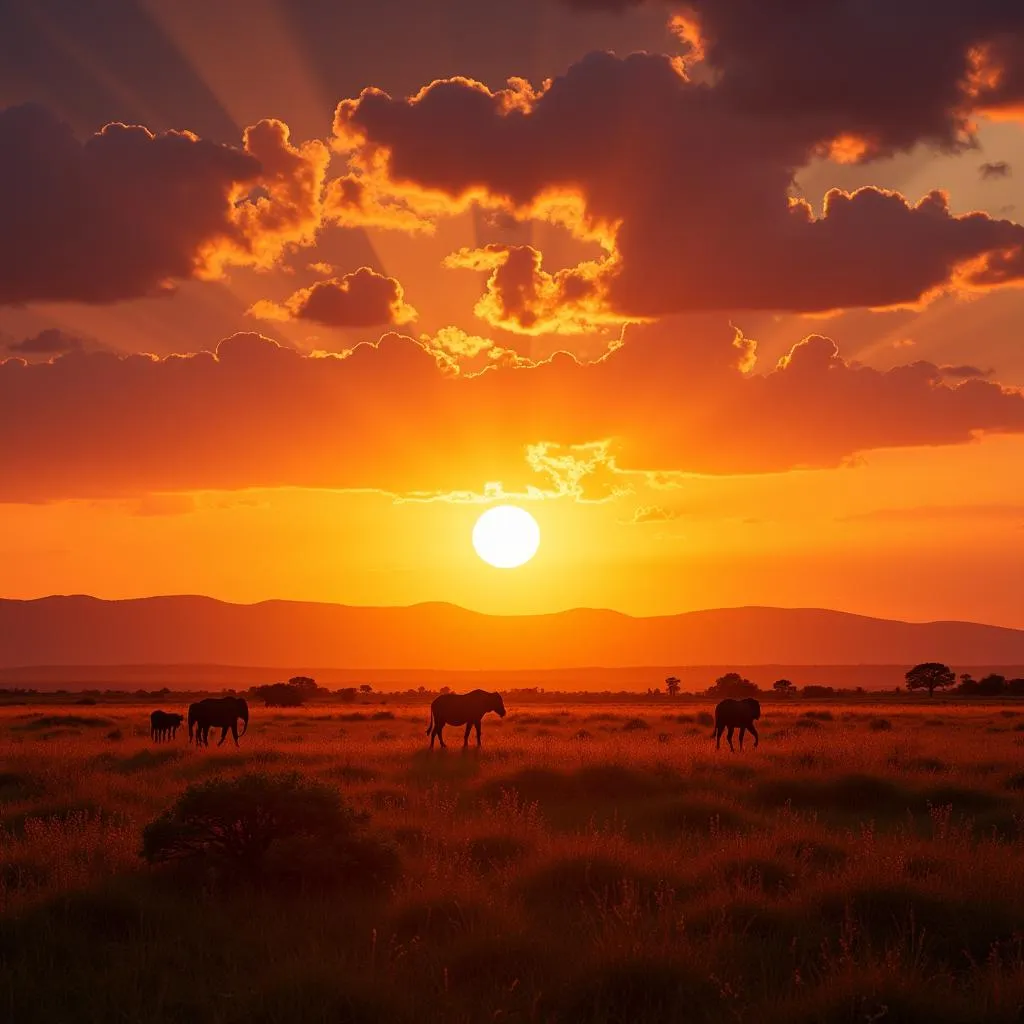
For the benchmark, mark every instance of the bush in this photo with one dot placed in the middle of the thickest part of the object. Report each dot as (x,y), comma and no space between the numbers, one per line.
(634,724)
(280,695)
(880,725)
(269,827)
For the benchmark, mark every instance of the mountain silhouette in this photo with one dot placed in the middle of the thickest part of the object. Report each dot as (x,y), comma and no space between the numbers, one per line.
(80,630)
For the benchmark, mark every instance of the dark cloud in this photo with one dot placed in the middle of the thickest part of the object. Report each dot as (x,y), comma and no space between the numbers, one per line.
(687,191)
(999,169)
(872,75)
(361,299)
(385,416)
(49,342)
(964,371)
(126,213)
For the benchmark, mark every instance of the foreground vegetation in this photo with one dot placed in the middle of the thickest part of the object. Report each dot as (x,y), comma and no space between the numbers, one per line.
(589,864)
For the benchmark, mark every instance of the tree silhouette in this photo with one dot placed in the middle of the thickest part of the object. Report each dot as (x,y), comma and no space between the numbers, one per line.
(783,687)
(304,684)
(280,695)
(365,688)
(732,684)
(930,676)
(672,686)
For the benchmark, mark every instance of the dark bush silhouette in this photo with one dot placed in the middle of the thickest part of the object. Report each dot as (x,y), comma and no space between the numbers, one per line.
(732,684)
(930,676)
(783,687)
(269,827)
(280,695)
(672,686)
(815,692)
(306,685)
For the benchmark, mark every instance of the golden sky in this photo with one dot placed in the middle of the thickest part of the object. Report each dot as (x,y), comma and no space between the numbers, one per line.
(291,292)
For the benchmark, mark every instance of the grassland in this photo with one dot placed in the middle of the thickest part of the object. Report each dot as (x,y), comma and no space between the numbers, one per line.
(589,864)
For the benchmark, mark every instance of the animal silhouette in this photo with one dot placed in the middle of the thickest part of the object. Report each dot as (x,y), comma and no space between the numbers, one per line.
(217,712)
(736,714)
(462,709)
(163,725)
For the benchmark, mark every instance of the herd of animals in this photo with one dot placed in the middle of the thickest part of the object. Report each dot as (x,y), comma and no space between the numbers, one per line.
(456,709)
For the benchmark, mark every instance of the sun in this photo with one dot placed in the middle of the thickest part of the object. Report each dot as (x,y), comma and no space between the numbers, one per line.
(506,536)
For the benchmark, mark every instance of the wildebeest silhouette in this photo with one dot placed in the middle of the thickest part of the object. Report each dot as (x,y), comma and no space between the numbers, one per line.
(217,712)
(163,725)
(462,709)
(736,714)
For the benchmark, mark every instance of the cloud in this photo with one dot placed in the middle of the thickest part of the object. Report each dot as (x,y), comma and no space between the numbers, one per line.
(524,298)
(361,299)
(126,213)
(866,77)
(385,416)
(651,514)
(998,169)
(49,342)
(698,217)
(965,371)
(920,513)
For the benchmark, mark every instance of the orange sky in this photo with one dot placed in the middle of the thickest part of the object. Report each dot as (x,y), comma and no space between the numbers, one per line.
(292,337)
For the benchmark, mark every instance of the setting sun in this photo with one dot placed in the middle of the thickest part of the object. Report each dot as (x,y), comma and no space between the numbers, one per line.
(506,536)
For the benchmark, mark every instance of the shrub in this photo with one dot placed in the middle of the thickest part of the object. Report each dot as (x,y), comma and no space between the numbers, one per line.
(880,725)
(280,695)
(271,827)
(69,721)
(634,724)
(705,718)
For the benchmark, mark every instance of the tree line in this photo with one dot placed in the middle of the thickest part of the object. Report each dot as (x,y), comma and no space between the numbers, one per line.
(929,675)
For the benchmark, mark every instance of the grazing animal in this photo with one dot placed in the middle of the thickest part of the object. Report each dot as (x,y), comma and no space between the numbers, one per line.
(736,714)
(217,712)
(462,709)
(163,725)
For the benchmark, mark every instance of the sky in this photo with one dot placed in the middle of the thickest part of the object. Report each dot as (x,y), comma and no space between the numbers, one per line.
(725,293)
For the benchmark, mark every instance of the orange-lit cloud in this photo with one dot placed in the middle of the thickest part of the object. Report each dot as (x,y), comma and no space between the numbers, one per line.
(524,298)
(686,191)
(361,299)
(127,213)
(386,417)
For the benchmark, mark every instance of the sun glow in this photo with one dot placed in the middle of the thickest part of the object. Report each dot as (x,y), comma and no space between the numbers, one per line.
(506,536)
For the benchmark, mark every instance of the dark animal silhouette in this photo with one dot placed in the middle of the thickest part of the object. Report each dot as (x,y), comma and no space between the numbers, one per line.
(736,714)
(163,725)
(217,712)
(462,709)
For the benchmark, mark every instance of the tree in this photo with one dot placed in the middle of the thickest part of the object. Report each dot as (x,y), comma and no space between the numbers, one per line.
(446,689)
(304,684)
(783,687)
(732,684)
(672,686)
(993,685)
(365,688)
(280,695)
(930,676)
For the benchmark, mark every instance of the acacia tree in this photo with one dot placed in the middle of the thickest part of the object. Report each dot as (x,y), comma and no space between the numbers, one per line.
(672,686)
(732,684)
(930,676)
(783,687)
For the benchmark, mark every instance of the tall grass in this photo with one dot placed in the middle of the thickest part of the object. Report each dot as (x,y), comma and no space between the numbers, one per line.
(578,867)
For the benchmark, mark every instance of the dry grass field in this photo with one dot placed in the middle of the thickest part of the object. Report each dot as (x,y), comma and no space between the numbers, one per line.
(589,864)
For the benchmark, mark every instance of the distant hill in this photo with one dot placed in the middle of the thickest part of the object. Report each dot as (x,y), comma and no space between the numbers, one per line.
(196,631)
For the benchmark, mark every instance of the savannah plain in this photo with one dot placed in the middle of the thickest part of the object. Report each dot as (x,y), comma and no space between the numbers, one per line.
(590,863)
